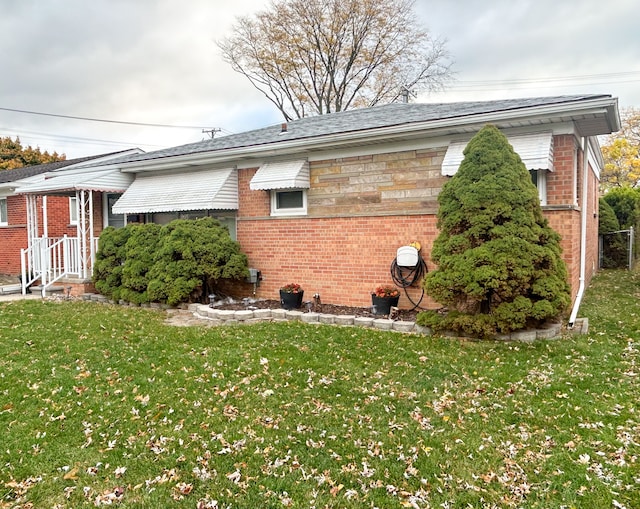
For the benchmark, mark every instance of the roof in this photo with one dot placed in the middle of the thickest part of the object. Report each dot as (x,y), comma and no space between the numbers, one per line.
(30,171)
(593,114)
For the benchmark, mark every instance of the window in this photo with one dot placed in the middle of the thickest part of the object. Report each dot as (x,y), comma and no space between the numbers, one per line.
(227,219)
(4,219)
(539,179)
(73,210)
(289,202)
(115,220)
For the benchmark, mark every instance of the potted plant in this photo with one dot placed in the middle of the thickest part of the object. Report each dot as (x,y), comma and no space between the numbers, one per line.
(383,298)
(291,296)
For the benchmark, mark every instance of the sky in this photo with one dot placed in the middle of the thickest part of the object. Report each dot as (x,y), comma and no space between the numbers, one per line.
(131,62)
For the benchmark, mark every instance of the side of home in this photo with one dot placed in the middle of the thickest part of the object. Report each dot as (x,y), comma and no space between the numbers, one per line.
(326,201)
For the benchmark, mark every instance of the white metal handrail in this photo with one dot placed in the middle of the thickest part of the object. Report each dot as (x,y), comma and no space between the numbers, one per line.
(50,259)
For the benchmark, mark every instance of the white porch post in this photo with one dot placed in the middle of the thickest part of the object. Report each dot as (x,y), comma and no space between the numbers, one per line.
(92,254)
(45,218)
(31,266)
(32,219)
(85,232)
(79,230)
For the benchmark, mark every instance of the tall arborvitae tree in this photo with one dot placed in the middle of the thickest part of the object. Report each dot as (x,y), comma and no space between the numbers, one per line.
(499,262)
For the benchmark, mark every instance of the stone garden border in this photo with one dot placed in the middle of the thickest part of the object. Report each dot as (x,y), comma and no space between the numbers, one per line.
(552,331)
(249,316)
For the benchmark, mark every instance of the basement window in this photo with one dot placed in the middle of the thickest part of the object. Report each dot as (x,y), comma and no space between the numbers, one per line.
(290,202)
(4,217)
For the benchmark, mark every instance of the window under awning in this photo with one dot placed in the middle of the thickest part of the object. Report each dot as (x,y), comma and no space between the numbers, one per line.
(281,175)
(195,190)
(535,150)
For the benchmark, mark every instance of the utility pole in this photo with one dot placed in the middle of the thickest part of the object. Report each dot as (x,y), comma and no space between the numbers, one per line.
(212,132)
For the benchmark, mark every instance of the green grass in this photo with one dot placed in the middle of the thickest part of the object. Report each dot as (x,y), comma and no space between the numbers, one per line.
(102,402)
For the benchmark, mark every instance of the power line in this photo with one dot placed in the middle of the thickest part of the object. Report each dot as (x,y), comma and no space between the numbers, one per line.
(62,137)
(549,82)
(525,81)
(89,119)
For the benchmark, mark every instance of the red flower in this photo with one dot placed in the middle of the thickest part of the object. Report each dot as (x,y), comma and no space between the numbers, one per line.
(291,288)
(386,291)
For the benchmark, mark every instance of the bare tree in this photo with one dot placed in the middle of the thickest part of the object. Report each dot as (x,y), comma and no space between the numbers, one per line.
(319,56)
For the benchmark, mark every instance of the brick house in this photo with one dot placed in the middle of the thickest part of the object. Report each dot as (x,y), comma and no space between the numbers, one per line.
(326,201)
(49,211)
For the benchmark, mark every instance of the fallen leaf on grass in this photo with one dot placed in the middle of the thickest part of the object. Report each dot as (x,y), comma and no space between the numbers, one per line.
(71,475)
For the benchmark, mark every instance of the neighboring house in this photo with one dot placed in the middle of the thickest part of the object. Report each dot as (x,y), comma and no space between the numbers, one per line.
(48,212)
(326,201)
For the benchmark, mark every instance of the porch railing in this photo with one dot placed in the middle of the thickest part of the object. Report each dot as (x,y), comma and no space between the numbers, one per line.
(51,259)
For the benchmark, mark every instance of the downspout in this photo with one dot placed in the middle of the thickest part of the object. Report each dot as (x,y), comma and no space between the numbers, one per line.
(583,231)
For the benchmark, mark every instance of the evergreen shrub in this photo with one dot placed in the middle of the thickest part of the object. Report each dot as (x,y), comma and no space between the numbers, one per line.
(614,248)
(500,267)
(179,262)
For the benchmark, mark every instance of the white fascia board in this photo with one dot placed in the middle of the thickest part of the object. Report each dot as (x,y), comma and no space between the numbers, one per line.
(595,156)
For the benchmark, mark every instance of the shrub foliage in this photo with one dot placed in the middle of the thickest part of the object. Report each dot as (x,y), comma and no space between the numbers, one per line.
(614,248)
(178,262)
(499,262)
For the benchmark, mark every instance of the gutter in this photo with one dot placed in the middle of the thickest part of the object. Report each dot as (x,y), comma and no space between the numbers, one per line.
(583,232)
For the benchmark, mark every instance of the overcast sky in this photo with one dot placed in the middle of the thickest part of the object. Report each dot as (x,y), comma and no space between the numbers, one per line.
(156,62)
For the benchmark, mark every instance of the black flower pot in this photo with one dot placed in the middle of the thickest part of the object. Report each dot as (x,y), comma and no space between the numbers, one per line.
(382,305)
(291,300)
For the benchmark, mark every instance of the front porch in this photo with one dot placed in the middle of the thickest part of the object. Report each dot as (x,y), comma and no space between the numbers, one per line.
(67,257)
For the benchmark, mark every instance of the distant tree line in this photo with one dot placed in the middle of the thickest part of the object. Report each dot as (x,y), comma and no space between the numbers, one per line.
(13,155)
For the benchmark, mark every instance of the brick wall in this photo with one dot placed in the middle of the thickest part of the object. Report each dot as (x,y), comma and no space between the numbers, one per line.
(361,209)
(342,258)
(14,236)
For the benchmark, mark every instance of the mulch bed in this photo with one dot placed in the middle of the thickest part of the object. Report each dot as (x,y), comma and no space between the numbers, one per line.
(331,309)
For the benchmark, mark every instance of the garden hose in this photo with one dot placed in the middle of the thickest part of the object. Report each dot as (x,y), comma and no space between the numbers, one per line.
(405,277)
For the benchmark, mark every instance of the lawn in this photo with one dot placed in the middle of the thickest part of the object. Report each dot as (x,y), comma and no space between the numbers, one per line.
(108,405)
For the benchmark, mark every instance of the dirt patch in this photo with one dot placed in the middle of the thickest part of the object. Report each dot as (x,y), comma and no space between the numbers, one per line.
(331,309)
(8,280)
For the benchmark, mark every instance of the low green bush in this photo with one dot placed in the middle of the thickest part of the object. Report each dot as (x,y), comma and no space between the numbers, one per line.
(179,262)
(109,263)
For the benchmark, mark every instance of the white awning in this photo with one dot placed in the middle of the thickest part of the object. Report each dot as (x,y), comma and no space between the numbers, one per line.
(87,179)
(281,175)
(195,190)
(535,150)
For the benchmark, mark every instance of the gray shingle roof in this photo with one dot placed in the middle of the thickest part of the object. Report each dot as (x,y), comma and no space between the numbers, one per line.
(388,115)
(29,171)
